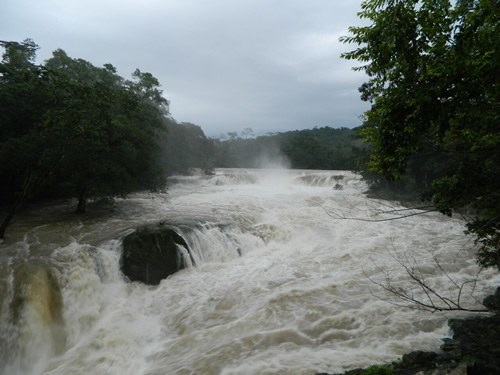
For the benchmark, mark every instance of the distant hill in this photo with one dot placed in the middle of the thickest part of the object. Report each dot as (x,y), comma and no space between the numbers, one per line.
(318,148)
(185,146)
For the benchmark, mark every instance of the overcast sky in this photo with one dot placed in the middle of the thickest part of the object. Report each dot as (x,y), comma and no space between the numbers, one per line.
(226,65)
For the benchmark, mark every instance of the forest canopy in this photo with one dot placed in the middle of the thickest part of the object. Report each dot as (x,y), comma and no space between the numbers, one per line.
(71,129)
(434,91)
(317,148)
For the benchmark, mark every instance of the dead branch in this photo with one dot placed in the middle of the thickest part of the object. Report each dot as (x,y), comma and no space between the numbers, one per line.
(341,215)
(421,294)
(429,298)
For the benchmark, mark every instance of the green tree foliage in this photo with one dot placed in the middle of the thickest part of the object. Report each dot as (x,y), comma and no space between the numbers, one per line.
(318,148)
(75,129)
(322,148)
(434,88)
(184,146)
(23,97)
(104,126)
(245,152)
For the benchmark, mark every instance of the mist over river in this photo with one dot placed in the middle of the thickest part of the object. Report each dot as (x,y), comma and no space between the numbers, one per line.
(281,283)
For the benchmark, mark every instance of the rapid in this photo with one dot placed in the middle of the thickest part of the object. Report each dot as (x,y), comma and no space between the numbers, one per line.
(283,284)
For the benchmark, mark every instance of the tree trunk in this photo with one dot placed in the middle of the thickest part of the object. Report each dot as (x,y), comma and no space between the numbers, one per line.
(6,221)
(26,192)
(10,215)
(82,201)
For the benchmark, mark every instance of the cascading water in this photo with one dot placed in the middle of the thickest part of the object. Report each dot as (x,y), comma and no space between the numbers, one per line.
(281,283)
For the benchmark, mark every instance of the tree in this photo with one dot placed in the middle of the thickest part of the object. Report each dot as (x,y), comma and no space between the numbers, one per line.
(70,127)
(247,133)
(304,151)
(23,98)
(318,148)
(105,128)
(434,88)
(185,146)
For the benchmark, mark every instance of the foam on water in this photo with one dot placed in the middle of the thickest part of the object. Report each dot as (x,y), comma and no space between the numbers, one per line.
(280,284)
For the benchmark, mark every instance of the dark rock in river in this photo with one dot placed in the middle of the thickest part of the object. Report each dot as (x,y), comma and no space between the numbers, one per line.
(478,340)
(152,253)
(493,302)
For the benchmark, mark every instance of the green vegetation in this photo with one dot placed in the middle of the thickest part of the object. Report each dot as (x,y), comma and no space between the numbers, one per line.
(184,146)
(318,148)
(70,129)
(378,370)
(434,88)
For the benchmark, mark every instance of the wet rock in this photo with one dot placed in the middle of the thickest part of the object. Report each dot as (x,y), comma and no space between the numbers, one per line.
(37,287)
(478,341)
(152,253)
(493,302)
(38,303)
(418,361)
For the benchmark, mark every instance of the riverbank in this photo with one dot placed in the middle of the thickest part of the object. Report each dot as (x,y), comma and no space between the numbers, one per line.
(473,350)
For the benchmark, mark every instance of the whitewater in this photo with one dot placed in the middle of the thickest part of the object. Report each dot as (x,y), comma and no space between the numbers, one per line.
(283,284)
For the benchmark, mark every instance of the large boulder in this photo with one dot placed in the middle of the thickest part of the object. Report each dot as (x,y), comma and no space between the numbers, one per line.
(152,253)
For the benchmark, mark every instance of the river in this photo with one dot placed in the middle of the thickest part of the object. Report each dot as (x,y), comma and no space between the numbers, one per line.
(281,284)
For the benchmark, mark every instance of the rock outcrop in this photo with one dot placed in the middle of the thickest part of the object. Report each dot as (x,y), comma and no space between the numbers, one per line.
(152,253)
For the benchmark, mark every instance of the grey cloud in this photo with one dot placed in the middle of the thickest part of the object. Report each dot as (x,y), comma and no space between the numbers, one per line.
(272,65)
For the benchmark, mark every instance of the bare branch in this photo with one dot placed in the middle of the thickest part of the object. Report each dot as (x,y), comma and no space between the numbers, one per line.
(343,217)
(406,209)
(433,300)
(422,294)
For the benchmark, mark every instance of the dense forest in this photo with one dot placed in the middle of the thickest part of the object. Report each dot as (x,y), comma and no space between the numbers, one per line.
(318,148)
(70,129)
(185,147)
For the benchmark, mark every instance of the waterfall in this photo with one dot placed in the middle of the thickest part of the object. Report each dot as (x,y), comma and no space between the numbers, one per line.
(34,330)
(280,281)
